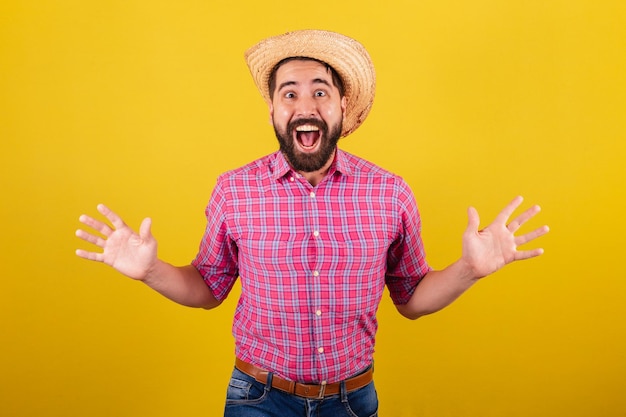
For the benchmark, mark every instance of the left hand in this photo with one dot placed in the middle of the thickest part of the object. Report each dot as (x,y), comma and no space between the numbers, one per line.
(487,250)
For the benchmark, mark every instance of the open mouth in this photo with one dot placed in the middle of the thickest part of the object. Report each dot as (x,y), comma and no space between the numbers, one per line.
(307,136)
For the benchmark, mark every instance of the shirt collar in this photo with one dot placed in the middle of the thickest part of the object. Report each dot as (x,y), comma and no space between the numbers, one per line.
(342,163)
(280,167)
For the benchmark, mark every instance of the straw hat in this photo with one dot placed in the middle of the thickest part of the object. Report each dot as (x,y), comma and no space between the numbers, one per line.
(347,56)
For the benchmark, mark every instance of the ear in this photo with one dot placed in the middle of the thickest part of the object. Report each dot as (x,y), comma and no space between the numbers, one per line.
(344,104)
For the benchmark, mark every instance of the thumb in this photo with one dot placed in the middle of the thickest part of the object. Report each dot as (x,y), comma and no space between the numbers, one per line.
(144,229)
(473,220)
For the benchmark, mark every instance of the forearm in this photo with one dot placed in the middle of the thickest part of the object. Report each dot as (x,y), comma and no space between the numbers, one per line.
(181,284)
(438,289)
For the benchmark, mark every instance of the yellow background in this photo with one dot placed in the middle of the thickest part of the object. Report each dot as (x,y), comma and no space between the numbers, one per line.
(141,104)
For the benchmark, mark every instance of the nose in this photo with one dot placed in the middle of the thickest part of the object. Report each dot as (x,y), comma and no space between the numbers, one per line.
(306,107)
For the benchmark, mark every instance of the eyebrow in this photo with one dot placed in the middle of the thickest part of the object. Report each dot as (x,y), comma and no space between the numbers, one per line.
(315,81)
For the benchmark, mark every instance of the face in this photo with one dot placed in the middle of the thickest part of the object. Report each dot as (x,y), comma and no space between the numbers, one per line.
(307,112)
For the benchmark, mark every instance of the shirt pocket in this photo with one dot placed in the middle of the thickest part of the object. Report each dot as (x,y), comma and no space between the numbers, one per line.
(366,258)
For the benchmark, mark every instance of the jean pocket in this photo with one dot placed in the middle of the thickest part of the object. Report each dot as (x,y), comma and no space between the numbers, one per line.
(363,402)
(238,389)
(243,388)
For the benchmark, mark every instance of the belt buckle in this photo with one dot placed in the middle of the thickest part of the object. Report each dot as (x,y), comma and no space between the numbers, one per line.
(322,391)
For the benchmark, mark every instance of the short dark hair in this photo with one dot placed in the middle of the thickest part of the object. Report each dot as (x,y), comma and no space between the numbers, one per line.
(337,81)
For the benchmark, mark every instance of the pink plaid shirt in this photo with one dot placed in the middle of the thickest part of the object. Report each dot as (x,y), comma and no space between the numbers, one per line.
(313,262)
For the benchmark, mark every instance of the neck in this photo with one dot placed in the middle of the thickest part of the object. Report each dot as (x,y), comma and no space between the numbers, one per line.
(315,177)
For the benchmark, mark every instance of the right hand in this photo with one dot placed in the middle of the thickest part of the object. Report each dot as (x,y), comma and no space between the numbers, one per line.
(132,254)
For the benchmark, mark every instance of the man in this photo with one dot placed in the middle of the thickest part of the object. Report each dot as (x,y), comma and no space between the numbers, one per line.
(314,234)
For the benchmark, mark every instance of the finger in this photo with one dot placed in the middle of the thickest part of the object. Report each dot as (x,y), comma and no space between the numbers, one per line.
(520,240)
(112,216)
(514,225)
(97,225)
(473,220)
(88,237)
(504,215)
(527,254)
(144,229)
(92,256)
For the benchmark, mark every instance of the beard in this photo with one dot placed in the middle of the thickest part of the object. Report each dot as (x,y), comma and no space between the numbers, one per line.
(308,162)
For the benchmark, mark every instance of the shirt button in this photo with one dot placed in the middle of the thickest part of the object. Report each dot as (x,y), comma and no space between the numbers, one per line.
(318,313)
(320,350)
(312,195)
(291,179)
(316,233)
(316,274)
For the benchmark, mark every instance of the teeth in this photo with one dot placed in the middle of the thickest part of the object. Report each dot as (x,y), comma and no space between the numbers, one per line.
(307,128)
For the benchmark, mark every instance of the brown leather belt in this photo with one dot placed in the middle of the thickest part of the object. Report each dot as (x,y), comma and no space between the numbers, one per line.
(305,390)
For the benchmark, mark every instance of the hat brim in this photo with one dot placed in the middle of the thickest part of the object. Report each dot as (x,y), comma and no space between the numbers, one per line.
(345,55)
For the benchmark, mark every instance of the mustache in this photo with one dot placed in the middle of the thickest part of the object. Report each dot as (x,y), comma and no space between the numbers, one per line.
(320,124)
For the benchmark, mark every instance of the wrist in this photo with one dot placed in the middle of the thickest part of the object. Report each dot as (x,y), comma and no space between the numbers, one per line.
(153,272)
(465,270)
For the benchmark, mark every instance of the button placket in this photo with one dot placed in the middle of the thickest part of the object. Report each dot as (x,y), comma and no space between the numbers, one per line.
(318,280)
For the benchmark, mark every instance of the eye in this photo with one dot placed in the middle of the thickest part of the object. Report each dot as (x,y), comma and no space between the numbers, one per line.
(290,95)
(320,93)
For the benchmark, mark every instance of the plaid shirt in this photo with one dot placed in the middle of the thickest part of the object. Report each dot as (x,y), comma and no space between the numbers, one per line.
(313,262)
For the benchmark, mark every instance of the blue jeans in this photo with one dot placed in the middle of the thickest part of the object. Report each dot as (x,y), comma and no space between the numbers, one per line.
(249,398)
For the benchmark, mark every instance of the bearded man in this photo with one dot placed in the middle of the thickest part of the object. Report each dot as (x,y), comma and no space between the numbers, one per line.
(314,234)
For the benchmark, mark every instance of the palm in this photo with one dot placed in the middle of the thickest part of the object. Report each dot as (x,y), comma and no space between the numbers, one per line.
(130,253)
(489,249)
